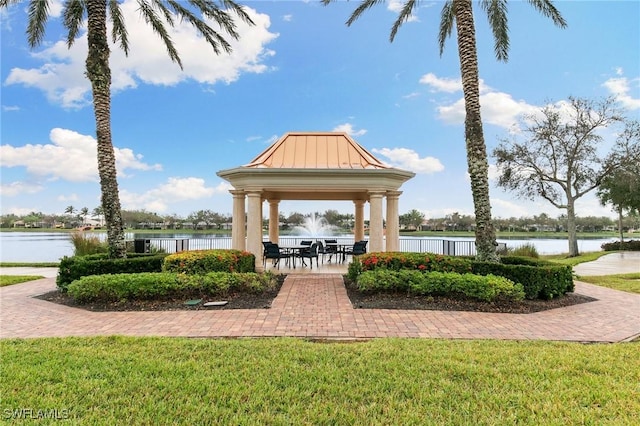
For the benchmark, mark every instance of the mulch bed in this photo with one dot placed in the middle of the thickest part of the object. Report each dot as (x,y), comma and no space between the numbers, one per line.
(399,301)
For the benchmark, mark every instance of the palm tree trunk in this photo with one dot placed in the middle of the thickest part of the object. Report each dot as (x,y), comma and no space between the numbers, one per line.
(99,74)
(477,164)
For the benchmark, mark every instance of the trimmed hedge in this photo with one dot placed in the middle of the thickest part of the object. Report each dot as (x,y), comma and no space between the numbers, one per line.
(161,285)
(631,245)
(540,279)
(487,288)
(75,267)
(539,282)
(204,261)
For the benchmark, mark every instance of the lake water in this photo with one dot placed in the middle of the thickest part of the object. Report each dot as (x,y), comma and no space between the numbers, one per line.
(51,246)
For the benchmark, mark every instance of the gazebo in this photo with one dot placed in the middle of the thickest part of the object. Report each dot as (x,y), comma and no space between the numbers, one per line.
(314,166)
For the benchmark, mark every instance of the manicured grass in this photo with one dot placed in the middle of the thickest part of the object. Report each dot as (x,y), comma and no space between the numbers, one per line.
(622,282)
(29,264)
(573,261)
(6,280)
(120,380)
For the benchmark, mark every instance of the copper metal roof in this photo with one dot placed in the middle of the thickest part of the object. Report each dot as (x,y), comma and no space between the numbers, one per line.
(316,150)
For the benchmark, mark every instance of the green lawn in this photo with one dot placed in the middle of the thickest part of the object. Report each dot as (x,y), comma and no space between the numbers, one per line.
(573,261)
(622,282)
(118,380)
(6,280)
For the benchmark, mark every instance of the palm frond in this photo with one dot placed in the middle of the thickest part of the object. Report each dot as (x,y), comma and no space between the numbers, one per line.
(151,17)
(38,16)
(213,38)
(364,6)
(547,9)
(497,15)
(73,16)
(447,18)
(238,10)
(7,3)
(403,17)
(168,16)
(119,30)
(211,10)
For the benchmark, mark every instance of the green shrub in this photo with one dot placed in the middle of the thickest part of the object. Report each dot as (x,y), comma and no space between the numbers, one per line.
(161,285)
(425,262)
(540,279)
(85,244)
(354,269)
(75,267)
(204,261)
(487,288)
(631,245)
(525,250)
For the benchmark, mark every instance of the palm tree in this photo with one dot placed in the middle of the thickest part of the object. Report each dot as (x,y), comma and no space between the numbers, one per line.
(460,12)
(156,13)
(70,210)
(84,212)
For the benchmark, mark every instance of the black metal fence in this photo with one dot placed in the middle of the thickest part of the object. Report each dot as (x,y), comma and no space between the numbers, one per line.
(407,244)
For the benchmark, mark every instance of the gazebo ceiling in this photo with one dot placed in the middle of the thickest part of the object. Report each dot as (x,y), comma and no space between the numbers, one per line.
(316,166)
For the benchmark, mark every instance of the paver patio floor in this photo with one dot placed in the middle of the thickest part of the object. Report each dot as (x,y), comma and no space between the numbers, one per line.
(317,306)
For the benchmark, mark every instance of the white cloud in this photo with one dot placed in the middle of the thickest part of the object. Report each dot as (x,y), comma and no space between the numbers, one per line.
(507,208)
(62,75)
(437,84)
(408,159)
(411,95)
(287,18)
(174,191)
(620,88)
(348,129)
(70,197)
(9,108)
(448,85)
(498,108)
(70,156)
(17,188)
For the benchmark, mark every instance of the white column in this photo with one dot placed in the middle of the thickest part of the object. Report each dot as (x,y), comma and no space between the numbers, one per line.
(274,219)
(254,226)
(376,223)
(358,230)
(238,223)
(393,221)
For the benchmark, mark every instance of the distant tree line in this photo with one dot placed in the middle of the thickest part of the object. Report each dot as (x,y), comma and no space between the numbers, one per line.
(413,220)
(417,221)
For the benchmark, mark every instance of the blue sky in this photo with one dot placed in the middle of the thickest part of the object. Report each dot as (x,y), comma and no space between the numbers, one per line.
(299,69)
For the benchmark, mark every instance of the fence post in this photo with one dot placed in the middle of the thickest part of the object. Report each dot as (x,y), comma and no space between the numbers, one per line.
(449,247)
(182,245)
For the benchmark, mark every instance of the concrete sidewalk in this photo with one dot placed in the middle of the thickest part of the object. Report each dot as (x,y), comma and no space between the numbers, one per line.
(626,262)
(21,270)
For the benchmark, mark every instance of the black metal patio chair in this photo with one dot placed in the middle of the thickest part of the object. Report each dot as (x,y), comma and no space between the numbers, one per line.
(272,251)
(359,248)
(310,254)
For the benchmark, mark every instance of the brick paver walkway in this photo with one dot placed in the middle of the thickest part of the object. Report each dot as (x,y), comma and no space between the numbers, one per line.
(316,306)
